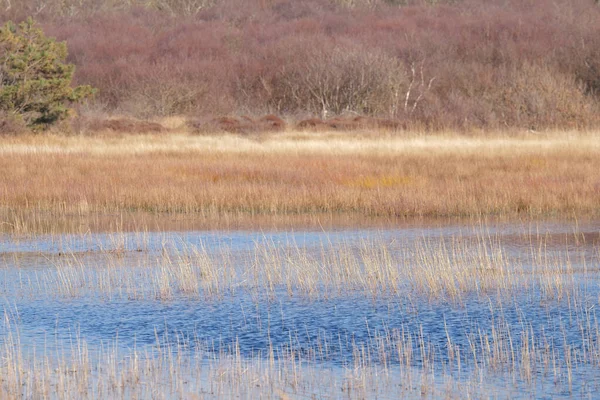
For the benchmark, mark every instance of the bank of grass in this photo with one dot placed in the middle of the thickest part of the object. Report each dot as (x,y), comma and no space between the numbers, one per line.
(300,174)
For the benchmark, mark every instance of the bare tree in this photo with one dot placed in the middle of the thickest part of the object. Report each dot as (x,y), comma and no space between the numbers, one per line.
(417,88)
(181,7)
(337,81)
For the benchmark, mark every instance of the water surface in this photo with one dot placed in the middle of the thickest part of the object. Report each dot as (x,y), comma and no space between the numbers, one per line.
(324,330)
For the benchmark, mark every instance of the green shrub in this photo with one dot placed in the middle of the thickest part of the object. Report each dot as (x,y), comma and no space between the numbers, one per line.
(35,80)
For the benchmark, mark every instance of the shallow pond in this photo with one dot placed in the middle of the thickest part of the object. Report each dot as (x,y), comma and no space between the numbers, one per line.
(502,311)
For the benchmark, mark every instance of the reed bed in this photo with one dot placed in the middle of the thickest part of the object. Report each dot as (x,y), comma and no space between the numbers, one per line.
(53,178)
(444,269)
(540,290)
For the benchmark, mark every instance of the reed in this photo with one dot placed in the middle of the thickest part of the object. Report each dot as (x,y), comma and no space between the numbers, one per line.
(500,357)
(53,178)
(453,269)
(498,360)
(203,177)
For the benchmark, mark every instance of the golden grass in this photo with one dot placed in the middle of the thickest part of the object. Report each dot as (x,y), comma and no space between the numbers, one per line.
(300,174)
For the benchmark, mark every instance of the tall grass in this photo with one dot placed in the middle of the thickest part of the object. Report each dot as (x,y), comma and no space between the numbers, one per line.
(296,174)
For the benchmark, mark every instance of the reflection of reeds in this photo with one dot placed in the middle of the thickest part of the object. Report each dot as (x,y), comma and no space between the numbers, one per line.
(294,174)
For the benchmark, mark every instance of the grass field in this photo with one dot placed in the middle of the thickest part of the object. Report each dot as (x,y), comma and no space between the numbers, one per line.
(300,174)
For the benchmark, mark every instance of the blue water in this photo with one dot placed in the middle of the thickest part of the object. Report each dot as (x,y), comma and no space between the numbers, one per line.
(247,240)
(303,324)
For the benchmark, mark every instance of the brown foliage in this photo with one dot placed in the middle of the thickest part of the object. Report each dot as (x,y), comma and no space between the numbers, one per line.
(459,64)
(272,123)
(120,125)
(11,125)
(242,125)
(230,124)
(312,123)
(349,123)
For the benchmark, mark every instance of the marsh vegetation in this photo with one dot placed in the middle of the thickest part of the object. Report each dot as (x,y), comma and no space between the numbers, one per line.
(427,65)
(497,310)
(318,175)
(299,265)
(299,199)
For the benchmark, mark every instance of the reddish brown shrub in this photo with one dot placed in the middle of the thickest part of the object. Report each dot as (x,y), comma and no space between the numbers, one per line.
(271,123)
(349,123)
(229,124)
(459,64)
(312,123)
(242,125)
(121,125)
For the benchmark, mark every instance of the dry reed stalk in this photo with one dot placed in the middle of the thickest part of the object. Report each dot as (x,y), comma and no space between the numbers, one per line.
(391,362)
(451,269)
(298,174)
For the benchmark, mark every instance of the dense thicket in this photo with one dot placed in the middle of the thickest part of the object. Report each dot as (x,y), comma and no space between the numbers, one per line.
(435,64)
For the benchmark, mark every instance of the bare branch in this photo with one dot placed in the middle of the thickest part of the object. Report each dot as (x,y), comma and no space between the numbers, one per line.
(422,86)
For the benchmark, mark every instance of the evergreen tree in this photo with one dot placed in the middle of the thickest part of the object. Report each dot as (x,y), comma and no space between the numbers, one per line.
(35,80)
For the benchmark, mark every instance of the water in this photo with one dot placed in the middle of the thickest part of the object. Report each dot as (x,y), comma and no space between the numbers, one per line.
(333,330)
